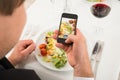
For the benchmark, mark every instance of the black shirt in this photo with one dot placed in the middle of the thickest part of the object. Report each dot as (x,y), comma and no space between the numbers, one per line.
(8,72)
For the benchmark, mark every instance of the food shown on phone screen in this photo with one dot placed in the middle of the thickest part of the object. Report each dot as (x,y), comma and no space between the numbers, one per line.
(67,26)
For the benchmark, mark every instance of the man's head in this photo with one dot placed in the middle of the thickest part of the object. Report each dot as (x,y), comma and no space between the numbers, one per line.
(12,21)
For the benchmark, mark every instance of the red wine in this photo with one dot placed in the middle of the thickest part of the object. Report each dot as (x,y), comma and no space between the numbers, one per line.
(100,10)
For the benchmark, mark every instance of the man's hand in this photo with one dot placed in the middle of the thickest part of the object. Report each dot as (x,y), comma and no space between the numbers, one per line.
(77,54)
(21,51)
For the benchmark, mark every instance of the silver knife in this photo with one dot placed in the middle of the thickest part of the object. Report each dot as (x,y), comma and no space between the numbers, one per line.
(96,56)
(100,49)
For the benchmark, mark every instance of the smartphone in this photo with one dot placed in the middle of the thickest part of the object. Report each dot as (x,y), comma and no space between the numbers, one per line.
(67,26)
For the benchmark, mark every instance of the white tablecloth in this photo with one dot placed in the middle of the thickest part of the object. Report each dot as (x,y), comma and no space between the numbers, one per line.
(43,15)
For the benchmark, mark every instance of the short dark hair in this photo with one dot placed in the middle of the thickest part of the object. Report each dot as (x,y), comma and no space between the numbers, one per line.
(7,7)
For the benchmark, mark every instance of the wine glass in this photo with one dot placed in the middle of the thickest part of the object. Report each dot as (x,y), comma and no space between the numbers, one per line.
(52,1)
(67,5)
(100,10)
(62,4)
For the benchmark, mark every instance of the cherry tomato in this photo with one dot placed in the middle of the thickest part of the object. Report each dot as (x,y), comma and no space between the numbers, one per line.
(43,52)
(41,46)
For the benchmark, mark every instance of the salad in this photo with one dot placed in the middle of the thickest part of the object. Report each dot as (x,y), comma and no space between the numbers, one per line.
(50,53)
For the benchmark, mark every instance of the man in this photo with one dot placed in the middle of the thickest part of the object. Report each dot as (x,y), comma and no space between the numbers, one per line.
(12,20)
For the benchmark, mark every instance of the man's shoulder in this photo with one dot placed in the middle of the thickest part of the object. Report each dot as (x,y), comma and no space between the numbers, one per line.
(19,74)
(1,68)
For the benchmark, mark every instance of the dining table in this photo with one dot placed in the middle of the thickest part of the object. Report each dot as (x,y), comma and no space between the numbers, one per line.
(45,15)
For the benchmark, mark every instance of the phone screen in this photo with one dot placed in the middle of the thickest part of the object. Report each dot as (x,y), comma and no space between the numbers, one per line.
(67,27)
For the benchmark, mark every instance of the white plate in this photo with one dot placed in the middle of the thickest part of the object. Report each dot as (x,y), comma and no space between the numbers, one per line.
(49,65)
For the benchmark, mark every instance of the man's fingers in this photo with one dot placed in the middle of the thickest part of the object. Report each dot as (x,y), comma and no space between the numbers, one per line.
(24,43)
(79,33)
(29,48)
(55,34)
(60,45)
(70,39)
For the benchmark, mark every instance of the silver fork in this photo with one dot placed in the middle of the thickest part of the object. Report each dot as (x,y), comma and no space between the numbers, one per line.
(93,56)
(96,56)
